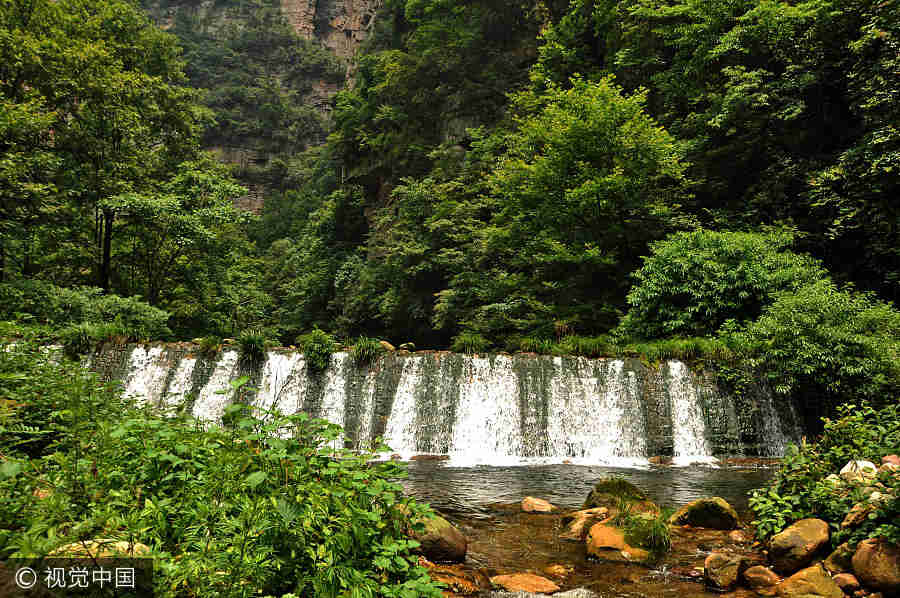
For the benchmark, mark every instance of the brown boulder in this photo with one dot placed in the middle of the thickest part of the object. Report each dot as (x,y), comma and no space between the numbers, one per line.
(525,582)
(440,540)
(846,582)
(531,504)
(608,542)
(812,582)
(761,579)
(722,571)
(713,513)
(877,565)
(740,537)
(895,459)
(558,570)
(796,546)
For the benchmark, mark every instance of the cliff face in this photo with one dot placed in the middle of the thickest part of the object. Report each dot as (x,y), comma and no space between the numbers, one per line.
(341,25)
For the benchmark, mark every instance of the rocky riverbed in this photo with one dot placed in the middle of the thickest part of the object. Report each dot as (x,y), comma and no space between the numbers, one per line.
(534,548)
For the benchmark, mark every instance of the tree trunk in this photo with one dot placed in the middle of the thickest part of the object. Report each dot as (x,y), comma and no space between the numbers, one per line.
(108,217)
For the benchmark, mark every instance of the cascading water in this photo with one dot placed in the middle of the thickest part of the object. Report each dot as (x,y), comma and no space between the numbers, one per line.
(477,410)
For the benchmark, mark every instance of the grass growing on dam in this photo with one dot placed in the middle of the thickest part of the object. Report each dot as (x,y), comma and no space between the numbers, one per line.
(228,511)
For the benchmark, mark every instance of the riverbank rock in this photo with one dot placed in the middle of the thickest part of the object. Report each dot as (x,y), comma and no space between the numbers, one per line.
(387,346)
(839,560)
(858,471)
(579,522)
(892,459)
(608,491)
(812,582)
(713,512)
(858,514)
(797,545)
(101,548)
(531,504)
(761,580)
(460,582)
(877,565)
(847,582)
(525,582)
(441,541)
(608,542)
(722,571)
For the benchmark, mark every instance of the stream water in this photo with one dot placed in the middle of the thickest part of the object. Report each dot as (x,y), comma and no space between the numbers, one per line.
(470,492)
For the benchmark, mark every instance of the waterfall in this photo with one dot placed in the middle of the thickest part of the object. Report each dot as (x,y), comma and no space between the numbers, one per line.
(494,410)
(688,423)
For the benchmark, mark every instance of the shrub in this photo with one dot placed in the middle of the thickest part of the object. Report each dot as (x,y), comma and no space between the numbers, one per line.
(278,514)
(253,345)
(650,532)
(801,488)
(366,350)
(825,346)
(693,282)
(317,347)
(47,303)
(470,342)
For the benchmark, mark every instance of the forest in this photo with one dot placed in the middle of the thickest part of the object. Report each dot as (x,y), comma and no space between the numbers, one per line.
(712,180)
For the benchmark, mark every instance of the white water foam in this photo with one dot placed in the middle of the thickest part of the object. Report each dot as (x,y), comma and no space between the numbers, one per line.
(180,385)
(216,394)
(147,375)
(688,425)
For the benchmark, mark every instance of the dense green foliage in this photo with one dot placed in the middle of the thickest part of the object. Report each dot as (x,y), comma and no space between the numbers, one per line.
(366,350)
(317,347)
(802,488)
(694,282)
(278,516)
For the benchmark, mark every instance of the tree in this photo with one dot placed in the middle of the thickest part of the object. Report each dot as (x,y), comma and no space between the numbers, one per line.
(693,282)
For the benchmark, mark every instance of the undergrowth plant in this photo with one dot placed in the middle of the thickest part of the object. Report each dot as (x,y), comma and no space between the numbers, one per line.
(317,347)
(366,350)
(259,507)
(253,345)
(802,488)
(470,342)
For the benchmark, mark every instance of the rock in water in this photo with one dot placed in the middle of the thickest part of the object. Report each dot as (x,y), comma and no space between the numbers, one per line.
(608,491)
(441,541)
(531,504)
(812,582)
(713,512)
(608,542)
(796,546)
(576,593)
(526,582)
(722,570)
(877,565)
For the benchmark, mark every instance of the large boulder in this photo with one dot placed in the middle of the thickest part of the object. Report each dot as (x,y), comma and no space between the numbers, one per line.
(812,582)
(797,545)
(531,504)
(877,565)
(847,582)
(440,540)
(713,512)
(722,571)
(525,582)
(609,491)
